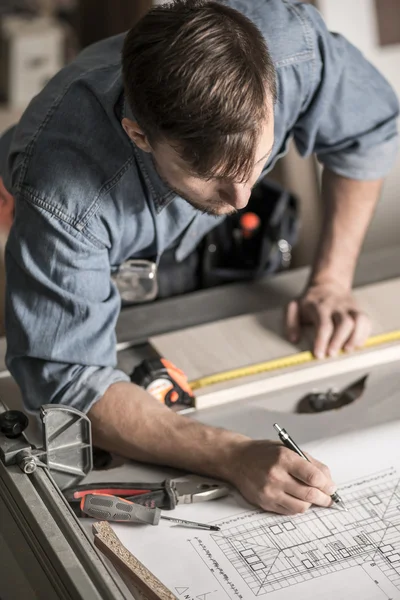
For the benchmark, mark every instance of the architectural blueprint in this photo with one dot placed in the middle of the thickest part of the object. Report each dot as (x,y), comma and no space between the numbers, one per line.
(324,553)
(271,553)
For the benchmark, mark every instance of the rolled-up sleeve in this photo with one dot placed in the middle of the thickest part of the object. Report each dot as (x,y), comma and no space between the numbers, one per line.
(350,120)
(61,311)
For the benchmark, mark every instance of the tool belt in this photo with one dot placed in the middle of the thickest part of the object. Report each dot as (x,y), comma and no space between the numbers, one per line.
(229,254)
(226,254)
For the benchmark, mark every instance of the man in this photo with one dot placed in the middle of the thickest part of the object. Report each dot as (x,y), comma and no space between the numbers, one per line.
(105,167)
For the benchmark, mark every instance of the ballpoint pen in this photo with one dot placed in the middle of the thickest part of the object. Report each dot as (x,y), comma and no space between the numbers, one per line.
(291,444)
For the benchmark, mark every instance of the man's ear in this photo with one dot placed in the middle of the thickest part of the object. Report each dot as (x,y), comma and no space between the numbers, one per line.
(136,134)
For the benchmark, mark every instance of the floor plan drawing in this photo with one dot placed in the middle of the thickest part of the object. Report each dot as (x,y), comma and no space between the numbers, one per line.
(324,553)
(271,553)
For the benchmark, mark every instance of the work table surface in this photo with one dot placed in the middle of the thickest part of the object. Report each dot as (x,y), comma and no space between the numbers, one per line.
(253,417)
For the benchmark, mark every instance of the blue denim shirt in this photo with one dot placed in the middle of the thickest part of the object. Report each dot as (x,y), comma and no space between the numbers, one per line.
(87,199)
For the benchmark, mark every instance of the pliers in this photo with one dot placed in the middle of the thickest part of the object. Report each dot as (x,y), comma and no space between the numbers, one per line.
(165,495)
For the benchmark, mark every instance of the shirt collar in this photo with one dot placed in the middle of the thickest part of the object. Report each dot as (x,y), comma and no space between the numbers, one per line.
(161,192)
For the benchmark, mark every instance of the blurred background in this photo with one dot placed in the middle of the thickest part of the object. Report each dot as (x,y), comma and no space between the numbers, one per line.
(38,37)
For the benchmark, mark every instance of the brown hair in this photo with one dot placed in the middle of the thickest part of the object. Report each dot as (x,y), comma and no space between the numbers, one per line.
(198,74)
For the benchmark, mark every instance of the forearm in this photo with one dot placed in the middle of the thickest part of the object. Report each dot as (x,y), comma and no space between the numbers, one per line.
(130,422)
(349,206)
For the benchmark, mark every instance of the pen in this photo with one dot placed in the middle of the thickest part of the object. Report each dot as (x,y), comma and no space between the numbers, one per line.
(291,444)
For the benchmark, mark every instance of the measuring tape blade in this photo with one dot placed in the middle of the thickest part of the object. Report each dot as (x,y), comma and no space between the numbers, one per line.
(293,360)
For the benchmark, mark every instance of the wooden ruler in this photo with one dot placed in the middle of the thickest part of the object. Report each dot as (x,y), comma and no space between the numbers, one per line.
(293,360)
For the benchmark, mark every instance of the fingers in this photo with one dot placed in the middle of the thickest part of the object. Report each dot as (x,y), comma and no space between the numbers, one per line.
(279,480)
(285,504)
(325,470)
(312,475)
(293,322)
(324,331)
(343,329)
(298,497)
(290,506)
(339,324)
(306,494)
(295,484)
(335,331)
(361,332)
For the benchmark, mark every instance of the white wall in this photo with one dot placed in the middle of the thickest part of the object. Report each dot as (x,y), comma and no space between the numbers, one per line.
(356,19)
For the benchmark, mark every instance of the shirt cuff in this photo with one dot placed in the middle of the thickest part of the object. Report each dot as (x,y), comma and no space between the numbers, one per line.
(373,163)
(90,386)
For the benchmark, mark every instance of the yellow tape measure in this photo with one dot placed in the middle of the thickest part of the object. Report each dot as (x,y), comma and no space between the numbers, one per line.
(293,360)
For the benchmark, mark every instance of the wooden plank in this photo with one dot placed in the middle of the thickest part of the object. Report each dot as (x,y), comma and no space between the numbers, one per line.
(149,586)
(258,337)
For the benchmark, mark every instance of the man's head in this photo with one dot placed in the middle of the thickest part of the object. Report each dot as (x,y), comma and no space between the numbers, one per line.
(201,84)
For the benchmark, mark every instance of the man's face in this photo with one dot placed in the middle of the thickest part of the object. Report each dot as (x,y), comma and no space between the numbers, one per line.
(216,196)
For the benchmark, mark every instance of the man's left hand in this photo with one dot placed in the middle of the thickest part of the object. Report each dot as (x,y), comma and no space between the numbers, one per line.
(338,322)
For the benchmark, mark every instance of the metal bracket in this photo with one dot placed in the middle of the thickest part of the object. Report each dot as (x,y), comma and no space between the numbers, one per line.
(67,446)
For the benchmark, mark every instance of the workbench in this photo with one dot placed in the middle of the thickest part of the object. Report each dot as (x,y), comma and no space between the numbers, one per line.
(380,403)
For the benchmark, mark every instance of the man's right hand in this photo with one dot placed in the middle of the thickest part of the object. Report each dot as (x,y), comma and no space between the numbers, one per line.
(275,478)
(130,422)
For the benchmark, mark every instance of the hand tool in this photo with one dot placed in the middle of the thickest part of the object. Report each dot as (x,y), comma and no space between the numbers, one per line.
(316,402)
(163,380)
(291,444)
(111,508)
(165,495)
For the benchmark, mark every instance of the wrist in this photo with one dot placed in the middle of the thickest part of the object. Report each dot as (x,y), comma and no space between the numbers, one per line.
(332,278)
(229,466)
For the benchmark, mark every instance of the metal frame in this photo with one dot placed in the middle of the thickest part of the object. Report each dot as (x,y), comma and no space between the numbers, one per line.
(57,556)
(61,557)
(45,551)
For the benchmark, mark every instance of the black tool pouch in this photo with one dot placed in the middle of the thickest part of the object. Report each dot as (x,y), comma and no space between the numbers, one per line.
(228,256)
